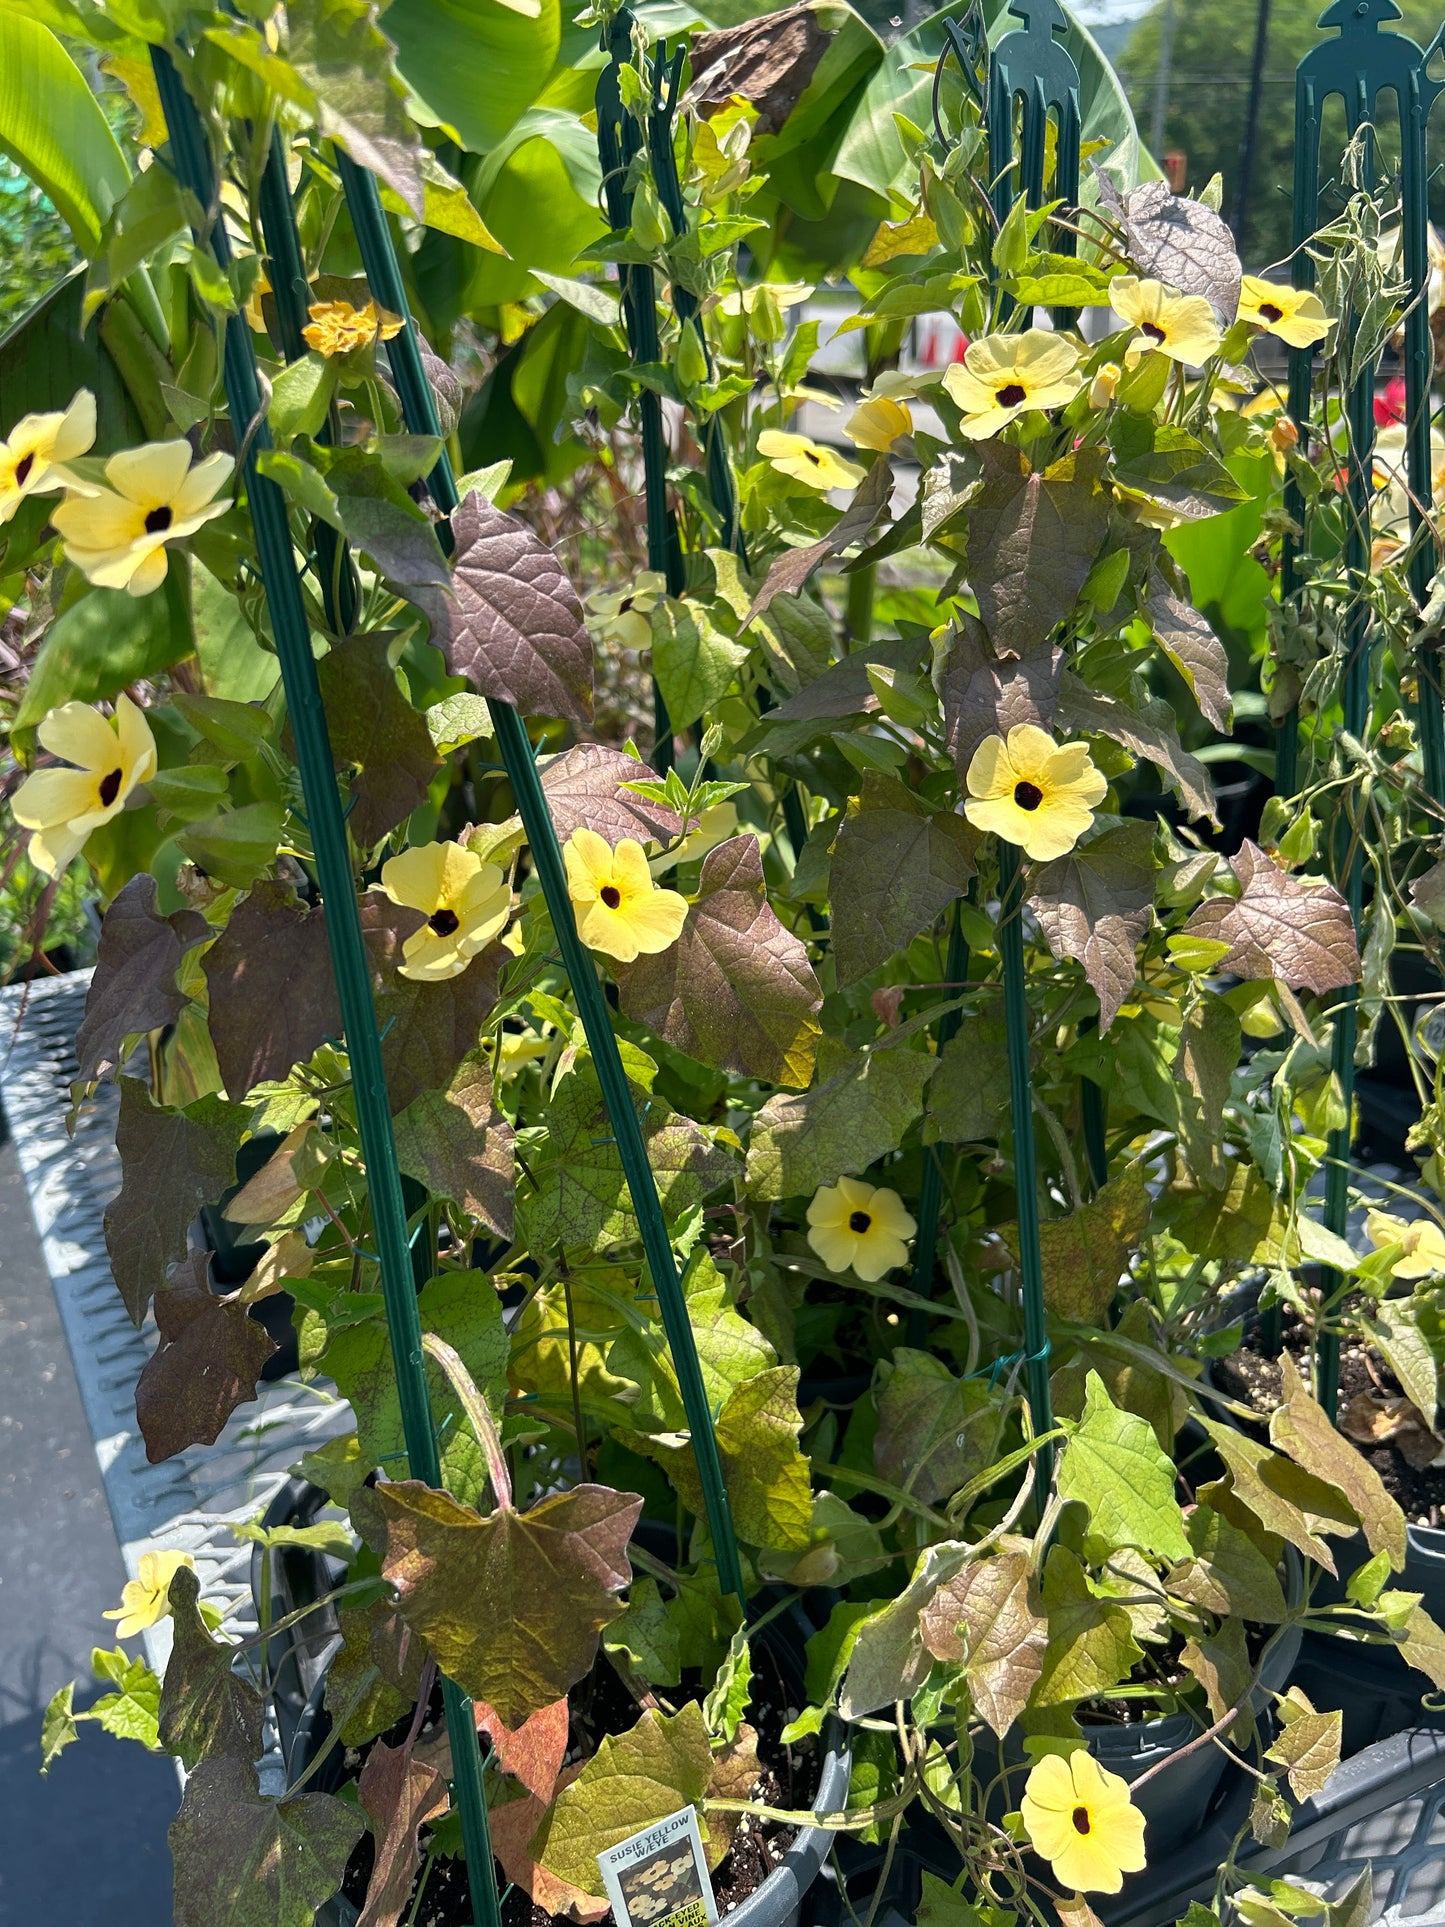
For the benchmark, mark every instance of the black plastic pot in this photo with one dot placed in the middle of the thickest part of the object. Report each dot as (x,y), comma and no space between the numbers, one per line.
(299,1575)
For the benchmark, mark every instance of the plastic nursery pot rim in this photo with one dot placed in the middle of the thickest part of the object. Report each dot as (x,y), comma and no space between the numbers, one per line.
(776,1903)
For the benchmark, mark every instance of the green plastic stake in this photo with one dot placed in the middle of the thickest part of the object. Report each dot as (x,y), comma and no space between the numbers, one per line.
(619,141)
(382,271)
(1026,1179)
(343,928)
(1359,66)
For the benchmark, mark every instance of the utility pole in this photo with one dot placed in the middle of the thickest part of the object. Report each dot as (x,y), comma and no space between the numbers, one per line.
(1251,123)
(1162,75)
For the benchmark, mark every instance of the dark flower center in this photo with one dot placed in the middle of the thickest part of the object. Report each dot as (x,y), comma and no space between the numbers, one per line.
(1011,394)
(158,519)
(1081,1819)
(1154,332)
(610,895)
(859,1222)
(443,922)
(23,468)
(1028,796)
(1270,311)
(110,787)
(811,455)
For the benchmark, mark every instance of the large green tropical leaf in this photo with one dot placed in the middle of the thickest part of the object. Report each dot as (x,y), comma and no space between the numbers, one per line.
(478,64)
(47,355)
(537,192)
(52,128)
(872,153)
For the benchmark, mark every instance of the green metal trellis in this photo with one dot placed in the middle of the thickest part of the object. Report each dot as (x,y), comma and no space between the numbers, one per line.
(1359,66)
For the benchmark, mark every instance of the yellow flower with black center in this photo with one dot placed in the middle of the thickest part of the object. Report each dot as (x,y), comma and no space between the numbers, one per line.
(1181,326)
(60,807)
(146,1599)
(1296,315)
(1421,1240)
(465,900)
(879,423)
(620,910)
(1001,376)
(339,328)
(117,536)
(1033,791)
(34,453)
(1079,1817)
(860,1227)
(807,461)
(625,614)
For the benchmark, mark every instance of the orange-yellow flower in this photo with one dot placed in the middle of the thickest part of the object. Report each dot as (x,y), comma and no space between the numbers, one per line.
(337,328)
(1079,1817)
(1033,791)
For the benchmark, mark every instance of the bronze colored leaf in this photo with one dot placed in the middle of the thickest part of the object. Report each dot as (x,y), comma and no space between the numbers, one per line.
(245,1861)
(1146,729)
(984,1621)
(460,1146)
(512,624)
(513,1823)
(208,1361)
(935,1431)
(1095,904)
(897,864)
(172,1162)
(374,1637)
(510,1605)
(1179,241)
(207,1710)
(272,993)
(844,690)
(1196,652)
(532,1752)
(1307,1745)
(427,1029)
(735,1774)
(1087,1253)
(794,566)
(374,728)
(983,696)
(1221,1664)
(400,1794)
(840,1126)
(1300,1428)
(133,989)
(385,927)
(768,1486)
(968,1094)
(1286,1498)
(584,790)
(1294,928)
(1032,539)
(736,989)
(768,61)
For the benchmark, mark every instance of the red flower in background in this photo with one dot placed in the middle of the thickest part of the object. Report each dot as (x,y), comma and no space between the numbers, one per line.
(1390,407)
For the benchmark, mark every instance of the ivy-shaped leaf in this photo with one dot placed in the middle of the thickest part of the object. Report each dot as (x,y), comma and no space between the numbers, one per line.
(1114,1467)
(1307,1745)
(533,1752)
(172,1162)
(1087,1253)
(582,1196)
(633,1780)
(968,1094)
(1095,904)
(400,1794)
(460,1146)
(272,991)
(736,990)
(1295,928)
(1285,1498)
(346,61)
(244,1861)
(374,728)
(1091,1641)
(1179,241)
(1226,1573)
(512,624)
(842,1126)
(510,1605)
(935,1431)
(1301,1428)
(886,1659)
(984,1620)
(585,790)
(794,566)
(374,1640)
(206,1711)
(897,864)
(133,988)
(208,1362)
(983,696)
(1032,539)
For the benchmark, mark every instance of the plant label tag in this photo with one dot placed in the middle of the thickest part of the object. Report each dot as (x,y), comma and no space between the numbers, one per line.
(659,1877)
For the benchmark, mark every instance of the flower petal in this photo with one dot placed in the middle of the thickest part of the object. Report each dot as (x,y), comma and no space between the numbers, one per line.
(81,735)
(52,797)
(414,877)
